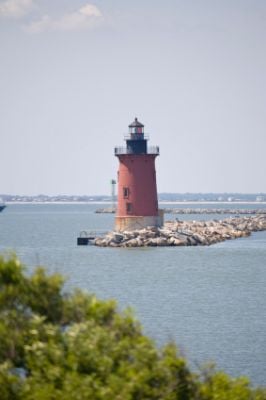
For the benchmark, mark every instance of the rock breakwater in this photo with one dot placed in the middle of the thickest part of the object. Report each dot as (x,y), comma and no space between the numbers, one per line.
(235,211)
(185,233)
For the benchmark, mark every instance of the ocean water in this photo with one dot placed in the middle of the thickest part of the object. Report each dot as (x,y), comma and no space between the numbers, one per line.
(210,300)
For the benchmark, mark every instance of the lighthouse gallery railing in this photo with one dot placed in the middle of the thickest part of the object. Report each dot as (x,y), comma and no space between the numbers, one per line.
(124,150)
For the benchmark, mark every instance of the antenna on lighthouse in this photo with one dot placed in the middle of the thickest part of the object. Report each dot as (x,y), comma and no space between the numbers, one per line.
(113,183)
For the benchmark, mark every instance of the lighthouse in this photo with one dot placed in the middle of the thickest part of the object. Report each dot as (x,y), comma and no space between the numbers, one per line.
(137,205)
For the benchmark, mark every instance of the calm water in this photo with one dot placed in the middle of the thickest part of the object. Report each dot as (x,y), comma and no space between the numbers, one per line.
(210,300)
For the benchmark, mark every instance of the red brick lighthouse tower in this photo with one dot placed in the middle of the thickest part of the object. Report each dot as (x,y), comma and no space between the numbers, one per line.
(137,192)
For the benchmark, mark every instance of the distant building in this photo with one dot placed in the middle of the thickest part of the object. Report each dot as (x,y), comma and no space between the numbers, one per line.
(260,198)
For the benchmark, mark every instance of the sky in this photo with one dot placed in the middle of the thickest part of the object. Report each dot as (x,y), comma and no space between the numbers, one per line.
(75,74)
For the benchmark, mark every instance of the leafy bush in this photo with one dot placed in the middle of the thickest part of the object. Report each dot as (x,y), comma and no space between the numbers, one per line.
(75,347)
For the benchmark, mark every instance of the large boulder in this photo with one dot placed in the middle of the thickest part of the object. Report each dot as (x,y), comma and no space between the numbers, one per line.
(118,237)
(200,239)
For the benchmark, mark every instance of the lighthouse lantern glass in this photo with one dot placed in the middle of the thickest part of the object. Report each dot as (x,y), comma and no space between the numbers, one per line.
(137,132)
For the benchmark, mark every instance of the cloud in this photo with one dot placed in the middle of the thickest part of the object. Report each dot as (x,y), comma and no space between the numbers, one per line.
(85,17)
(15,8)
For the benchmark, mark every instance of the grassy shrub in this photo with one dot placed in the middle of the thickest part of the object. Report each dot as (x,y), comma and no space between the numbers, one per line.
(77,347)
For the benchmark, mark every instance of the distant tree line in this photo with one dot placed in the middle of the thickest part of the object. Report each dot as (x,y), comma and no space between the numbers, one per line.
(161,196)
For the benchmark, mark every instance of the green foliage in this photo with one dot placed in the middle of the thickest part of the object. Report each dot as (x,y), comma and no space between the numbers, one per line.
(75,347)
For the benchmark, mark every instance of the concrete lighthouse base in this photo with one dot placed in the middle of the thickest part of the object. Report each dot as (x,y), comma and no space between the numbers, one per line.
(131,223)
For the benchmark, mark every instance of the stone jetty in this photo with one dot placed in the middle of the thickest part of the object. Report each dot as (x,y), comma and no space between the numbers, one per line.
(186,233)
(234,211)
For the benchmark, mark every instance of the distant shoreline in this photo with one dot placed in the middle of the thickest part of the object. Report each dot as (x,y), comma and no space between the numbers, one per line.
(109,202)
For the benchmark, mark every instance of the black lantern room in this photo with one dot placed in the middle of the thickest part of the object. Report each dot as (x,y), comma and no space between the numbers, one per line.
(136,142)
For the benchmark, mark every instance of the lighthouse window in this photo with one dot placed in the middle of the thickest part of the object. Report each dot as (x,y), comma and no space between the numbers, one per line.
(125,192)
(129,208)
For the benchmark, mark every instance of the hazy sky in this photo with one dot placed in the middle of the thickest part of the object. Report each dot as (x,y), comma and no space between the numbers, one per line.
(74,74)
